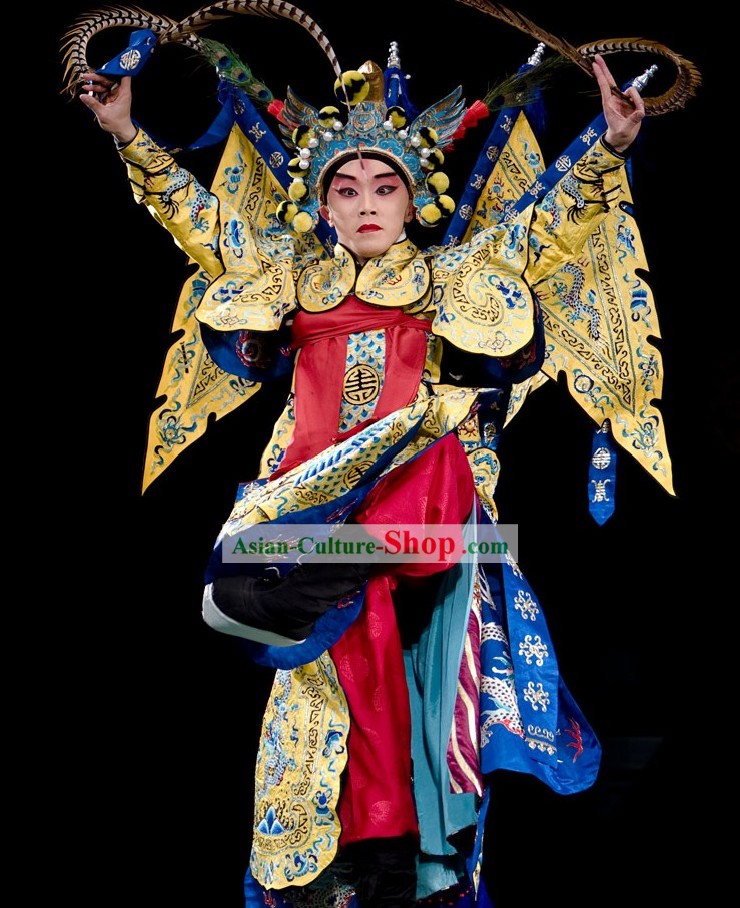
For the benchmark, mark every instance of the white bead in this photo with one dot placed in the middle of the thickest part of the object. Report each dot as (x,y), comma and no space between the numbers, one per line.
(304,164)
(304,153)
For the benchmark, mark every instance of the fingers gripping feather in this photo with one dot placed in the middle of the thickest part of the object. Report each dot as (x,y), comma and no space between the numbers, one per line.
(77,38)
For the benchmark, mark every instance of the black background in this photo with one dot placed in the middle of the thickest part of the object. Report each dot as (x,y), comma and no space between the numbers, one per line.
(149,719)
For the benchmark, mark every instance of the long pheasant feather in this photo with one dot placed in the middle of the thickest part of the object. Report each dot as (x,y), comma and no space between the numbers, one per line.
(77,38)
(169,31)
(688,77)
(526,25)
(267,8)
(686,83)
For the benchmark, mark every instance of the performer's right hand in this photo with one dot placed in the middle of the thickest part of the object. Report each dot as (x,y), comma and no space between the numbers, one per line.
(110,101)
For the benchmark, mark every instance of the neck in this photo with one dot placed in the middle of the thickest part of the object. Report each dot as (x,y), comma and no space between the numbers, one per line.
(361,261)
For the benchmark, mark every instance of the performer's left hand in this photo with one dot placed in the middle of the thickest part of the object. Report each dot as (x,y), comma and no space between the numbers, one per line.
(623,117)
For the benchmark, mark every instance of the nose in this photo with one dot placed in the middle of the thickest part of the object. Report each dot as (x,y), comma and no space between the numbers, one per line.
(367,200)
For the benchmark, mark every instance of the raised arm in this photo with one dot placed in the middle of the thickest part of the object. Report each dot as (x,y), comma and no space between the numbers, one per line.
(188,211)
(573,209)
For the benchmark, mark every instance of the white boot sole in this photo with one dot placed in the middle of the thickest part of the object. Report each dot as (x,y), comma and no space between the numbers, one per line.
(215,618)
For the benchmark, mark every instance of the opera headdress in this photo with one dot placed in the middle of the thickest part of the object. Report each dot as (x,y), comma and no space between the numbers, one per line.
(373,116)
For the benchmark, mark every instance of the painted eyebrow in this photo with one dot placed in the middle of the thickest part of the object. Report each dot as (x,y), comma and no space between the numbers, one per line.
(378,176)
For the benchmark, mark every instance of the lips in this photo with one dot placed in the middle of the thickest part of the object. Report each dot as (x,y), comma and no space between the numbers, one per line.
(368,228)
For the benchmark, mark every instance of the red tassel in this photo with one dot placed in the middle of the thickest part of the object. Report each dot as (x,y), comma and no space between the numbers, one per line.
(275,107)
(477,111)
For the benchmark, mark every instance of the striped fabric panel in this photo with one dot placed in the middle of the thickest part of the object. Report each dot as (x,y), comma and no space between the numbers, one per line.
(463,751)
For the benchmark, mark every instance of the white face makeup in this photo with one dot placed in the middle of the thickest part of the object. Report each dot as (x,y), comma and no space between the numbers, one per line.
(368,204)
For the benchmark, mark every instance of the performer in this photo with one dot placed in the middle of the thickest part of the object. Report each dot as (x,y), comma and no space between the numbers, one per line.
(398,688)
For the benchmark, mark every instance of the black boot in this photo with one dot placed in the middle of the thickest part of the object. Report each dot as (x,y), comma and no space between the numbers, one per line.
(280,611)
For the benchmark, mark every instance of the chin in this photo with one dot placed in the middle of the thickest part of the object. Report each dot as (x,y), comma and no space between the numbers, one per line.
(371,246)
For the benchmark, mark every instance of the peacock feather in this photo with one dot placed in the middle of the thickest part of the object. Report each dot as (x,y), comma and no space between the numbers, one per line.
(230,68)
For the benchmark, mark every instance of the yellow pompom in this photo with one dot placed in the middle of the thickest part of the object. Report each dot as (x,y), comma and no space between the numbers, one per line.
(354,84)
(302,222)
(397,116)
(436,159)
(439,182)
(429,137)
(430,214)
(294,168)
(286,211)
(327,116)
(446,204)
(302,136)
(442,207)
(298,191)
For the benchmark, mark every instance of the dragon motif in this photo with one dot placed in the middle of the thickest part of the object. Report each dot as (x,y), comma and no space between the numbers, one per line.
(578,308)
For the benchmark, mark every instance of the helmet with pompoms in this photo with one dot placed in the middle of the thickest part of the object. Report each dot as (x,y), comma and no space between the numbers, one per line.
(369,114)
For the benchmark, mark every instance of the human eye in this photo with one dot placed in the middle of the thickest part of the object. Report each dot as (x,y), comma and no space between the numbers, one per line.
(386,189)
(347,191)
